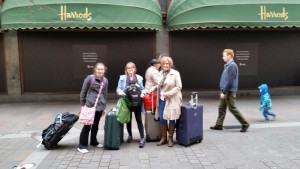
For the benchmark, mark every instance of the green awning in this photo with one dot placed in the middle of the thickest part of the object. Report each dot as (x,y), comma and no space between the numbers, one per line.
(194,14)
(99,14)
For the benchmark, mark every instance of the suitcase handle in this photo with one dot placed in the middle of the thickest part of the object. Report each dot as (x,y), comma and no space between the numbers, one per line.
(194,100)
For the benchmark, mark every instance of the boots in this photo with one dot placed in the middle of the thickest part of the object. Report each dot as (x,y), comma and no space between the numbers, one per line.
(163,140)
(171,133)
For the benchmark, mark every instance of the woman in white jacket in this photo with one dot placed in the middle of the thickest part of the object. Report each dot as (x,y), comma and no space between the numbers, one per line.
(169,99)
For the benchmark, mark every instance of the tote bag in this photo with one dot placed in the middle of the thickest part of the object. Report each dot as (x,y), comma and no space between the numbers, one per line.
(87,115)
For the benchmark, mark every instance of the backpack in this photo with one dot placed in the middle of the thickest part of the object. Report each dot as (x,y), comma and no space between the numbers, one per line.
(133,93)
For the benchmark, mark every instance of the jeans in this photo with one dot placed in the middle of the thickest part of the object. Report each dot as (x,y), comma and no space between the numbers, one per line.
(266,114)
(162,121)
(84,135)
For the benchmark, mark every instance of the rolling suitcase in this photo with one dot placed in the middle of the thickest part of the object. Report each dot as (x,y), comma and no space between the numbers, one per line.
(152,126)
(56,131)
(189,127)
(113,131)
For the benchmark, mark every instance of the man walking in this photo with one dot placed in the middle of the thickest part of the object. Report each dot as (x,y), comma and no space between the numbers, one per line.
(229,87)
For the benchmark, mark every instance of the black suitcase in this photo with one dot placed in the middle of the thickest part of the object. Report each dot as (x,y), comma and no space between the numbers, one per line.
(56,131)
(189,128)
(113,131)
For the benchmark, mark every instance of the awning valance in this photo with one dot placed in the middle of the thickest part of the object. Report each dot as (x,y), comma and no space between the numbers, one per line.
(99,14)
(194,14)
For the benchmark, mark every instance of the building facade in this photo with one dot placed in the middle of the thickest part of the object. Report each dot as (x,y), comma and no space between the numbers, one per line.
(47,51)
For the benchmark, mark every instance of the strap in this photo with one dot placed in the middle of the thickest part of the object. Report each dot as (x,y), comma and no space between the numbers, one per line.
(101,87)
(91,83)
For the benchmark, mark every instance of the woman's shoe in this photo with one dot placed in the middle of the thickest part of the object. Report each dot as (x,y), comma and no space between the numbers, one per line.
(83,150)
(99,145)
(142,143)
(129,139)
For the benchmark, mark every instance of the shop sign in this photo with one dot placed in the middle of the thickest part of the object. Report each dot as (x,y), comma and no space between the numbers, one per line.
(86,56)
(266,14)
(65,14)
(246,57)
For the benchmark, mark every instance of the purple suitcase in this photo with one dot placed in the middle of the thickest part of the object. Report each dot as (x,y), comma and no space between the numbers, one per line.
(189,127)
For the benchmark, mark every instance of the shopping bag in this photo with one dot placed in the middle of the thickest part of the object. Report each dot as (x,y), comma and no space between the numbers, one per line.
(123,111)
(87,115)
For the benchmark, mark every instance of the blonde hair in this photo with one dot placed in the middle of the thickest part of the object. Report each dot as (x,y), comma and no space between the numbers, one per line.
(229,52)
(166,59)
(130,64)
(161,56)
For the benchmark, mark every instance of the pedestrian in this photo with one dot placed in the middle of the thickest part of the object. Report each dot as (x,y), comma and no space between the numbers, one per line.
(125,83)
(229,88)
(88,94)
(265,102)
(151,75)
(169,100)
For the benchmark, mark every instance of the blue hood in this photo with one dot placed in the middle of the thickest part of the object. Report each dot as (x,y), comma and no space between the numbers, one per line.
(264,89)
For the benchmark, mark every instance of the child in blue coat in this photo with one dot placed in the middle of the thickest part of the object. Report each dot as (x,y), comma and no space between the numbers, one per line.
(265,102)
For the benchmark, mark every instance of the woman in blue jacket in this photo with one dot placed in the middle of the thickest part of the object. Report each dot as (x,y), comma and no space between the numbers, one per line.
(125,81)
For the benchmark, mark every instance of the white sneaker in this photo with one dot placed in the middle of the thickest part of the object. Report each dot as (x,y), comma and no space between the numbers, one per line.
(83,150)
(99,145)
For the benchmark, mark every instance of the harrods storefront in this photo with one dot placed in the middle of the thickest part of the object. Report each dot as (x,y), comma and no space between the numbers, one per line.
(265,36)
(58,42)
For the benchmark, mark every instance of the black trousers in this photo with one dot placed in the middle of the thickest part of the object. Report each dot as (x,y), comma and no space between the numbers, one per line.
(84,135)
(138,118)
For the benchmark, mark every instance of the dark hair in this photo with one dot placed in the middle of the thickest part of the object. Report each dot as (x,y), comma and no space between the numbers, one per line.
(153,62)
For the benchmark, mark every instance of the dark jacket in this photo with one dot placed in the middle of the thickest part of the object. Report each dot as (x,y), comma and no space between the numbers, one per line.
(88,97)
(230,77)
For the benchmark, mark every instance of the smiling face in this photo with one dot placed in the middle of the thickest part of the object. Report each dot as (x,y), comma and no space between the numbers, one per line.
(99,70)
(130,68)
(166,66)
(166,63)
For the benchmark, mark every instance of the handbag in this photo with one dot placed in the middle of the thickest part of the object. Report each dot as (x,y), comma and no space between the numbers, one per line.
(87,114)
(123,111)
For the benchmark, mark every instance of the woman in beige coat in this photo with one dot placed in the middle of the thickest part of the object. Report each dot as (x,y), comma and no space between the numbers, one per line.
(169,99)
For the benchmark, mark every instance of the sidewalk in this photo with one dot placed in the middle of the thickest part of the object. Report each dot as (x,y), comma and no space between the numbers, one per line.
(271,145)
